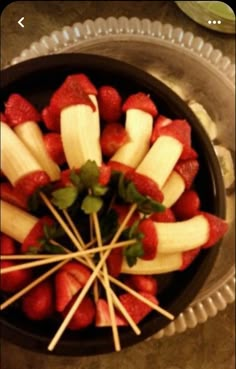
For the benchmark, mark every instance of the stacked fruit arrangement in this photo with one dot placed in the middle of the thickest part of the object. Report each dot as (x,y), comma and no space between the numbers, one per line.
(110,210)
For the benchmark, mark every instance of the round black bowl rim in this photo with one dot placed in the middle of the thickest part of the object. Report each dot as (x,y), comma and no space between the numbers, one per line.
(72,347)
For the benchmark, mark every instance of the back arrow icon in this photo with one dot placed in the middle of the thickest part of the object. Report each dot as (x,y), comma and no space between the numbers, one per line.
(20,22)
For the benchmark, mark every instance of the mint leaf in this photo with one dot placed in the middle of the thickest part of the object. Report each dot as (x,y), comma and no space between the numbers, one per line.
(52,232)
(76,180)
(108,225)
(89,174)
(33,250)
(91,204)
(99,190)
(64,197)
(132,252)
(149,206)
(132,194)
(53,249)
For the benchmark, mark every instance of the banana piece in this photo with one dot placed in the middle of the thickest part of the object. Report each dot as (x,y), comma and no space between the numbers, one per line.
(173,189)
(161,159)
(80,141)
(15,222)
(31,135)
(16,159)
(139,128)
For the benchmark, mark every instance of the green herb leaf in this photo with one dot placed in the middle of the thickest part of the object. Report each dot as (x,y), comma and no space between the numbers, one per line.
(132,194)
(33,250)
(76,180)
(91,204)
(108,225)
(89,174)
(52,232)
(64,197)
(132,252)
(149,206)
(53,249)
(99,190)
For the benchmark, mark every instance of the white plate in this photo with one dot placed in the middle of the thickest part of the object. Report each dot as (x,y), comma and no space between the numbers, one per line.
(197,72)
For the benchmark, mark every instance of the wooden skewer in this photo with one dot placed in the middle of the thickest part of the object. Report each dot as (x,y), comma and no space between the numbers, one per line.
(73,227)
(115,332)
(52,259)
(89,283)
(31,285)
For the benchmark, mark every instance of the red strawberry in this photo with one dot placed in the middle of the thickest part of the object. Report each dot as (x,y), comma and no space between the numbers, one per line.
(188,153)
(33,238)
(112,138)
(10,194)
(7,245)
(65,178)
(66,286)
(78,270)
(188,257)
(145,185)
(84,315)
(104,175)
(31,182)
(218,227)
(103,318)
(54,147)
(109,102)
(114,261)
(119,167)
(160,122)
(84,82)
(142,283)
(142,102)
(122,211)
(166,216)
(187,206)
(51,119)
(188,169)
(137,309)
(19,110)
(38,304)
(150,239)
(3,118)
(14,281)
(69,93)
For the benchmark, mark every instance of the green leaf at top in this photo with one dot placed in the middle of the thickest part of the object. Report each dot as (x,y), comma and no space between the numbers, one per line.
(76,180)
(91,204)
(132,252)
(64,197)
(89,173)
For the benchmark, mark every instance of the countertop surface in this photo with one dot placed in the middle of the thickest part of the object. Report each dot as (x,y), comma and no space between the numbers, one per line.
(209,345)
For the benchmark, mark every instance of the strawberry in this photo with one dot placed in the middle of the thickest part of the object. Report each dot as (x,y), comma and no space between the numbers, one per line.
(119,167)
(36,233)
(218,227)
(68,94)
(19,110)
(137,309)
(142,283)
(188,257)
(160,122)
(188,170)
(7,245)
(122,211)
(3,118)
(68,281)
(114,261)
(112,138)
(38,303)
(142,102)
(103,318)
(14,281)
(187,205)
(84,315)
(10,194)
(84,82)
(29,183)
(54,147)
(150,239)
(109,102)
(166,216)
(51,119)
(188,153)
(66,286)
(104,175)
(145,185)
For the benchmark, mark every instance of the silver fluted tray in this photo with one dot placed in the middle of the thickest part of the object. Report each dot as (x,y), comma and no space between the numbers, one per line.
(196,71)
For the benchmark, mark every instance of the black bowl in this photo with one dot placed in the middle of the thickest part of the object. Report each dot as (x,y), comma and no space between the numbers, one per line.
(36,80)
